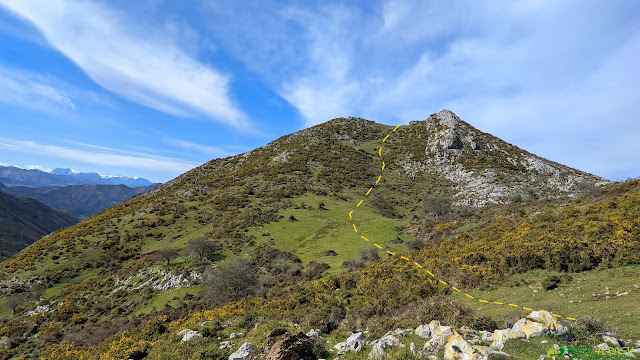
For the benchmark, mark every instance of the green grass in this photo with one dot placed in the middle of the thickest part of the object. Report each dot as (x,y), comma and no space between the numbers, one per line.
(316,231)
(159,300)
(575,299)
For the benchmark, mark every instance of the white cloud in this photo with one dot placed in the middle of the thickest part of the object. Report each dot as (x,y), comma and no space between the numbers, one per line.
(135,62)
(205,149)
(31,90)
(99,158)
(545,75)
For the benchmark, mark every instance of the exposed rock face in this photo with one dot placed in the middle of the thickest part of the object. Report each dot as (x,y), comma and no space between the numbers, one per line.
(423,331)
(188,335)
(381,344)
(354,343)
(484,169)
(245,352)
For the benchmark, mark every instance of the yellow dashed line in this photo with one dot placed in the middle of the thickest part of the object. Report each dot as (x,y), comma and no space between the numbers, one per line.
(420,266)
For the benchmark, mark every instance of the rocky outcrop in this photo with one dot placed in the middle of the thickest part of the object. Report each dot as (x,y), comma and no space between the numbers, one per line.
(354,343)
(379,345)
(245,352)
(188,335)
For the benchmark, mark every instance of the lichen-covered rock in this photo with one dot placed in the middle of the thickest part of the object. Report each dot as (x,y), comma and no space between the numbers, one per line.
(552,325)
(529,328)
(188,335)
(423,331)
(501,336)
(354,343)
(245,352)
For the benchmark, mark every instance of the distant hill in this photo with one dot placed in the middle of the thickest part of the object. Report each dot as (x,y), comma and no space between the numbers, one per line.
(14,176)
(82,201)
(23,221)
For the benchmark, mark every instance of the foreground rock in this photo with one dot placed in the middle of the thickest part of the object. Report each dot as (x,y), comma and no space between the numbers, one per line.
(292,347)
(354,343)
(379,345)
(244,353)
(188,335)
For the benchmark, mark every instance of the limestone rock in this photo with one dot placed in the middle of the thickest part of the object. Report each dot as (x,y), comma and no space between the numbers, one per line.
(383,343)
(226,345)
(188,335)
(314,334)
(423,331)
(245,352)
(553,326)
(501,336)
(354,343)
(440,336)
(529,328)
(236,336)
(609,338)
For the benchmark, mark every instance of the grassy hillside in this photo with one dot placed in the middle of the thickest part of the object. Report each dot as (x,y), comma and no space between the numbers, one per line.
(111,284)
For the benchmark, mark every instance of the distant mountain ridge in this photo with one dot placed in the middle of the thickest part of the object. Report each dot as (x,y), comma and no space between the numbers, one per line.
(82,201)
(14,176)
(23,221)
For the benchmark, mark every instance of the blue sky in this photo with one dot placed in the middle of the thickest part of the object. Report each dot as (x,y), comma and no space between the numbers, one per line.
(153,88)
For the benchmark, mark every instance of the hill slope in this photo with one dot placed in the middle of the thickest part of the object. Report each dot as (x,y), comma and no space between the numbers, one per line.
(81,201)
(23,221)
(284,207)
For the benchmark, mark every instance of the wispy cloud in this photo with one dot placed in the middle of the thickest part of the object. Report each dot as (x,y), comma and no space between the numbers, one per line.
(31,90)
(98,158)
(221,151)
(138,63)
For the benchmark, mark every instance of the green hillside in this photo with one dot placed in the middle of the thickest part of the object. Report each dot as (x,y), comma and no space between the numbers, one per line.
(112,285)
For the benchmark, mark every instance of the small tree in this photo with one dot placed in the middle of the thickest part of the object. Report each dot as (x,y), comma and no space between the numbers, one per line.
(16,300)
(437,205)
(166,255)
(202,247)
(231,281)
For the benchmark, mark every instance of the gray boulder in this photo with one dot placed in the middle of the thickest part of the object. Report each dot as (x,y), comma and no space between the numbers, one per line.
(188,335)
(245,352)
(354,343)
